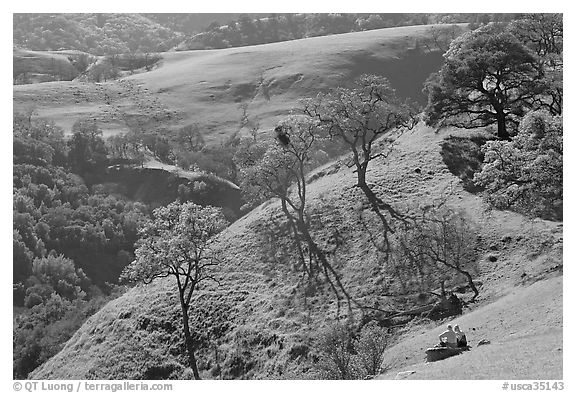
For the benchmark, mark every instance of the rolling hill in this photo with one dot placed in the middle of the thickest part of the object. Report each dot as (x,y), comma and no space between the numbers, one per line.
(262,320)
(34,66)
(264,325)
(210,87)
(524,328)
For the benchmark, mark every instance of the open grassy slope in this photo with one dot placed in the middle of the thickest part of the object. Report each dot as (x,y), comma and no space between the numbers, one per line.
(209,86)
(525,331)
(41,66)
(263,323)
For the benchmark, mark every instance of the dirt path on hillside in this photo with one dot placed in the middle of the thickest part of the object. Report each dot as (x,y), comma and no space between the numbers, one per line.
(153,163)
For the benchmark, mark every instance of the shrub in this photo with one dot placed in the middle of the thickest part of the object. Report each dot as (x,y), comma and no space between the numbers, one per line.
(163,371)
(370,347)
(336,360)
(463,156)
(525,174)
(344,355)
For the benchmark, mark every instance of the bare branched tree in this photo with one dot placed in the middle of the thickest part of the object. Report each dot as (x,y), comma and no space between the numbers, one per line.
(370,348)
(191,137)
(281,173)
(346,355)
(440,37)
(358,117)
(439,246)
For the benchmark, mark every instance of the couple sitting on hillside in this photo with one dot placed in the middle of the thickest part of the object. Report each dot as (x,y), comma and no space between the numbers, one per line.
(453,338)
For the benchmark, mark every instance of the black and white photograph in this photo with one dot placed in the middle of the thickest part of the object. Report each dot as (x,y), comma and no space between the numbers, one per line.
(287,196)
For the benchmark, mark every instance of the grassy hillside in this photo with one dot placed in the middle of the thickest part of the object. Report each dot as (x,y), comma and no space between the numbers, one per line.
(525,331)
(209,87)
(261,322)
(34,66)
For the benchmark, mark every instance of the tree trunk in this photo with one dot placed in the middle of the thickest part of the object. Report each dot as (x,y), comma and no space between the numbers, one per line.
(502,132)
(188,339)
(465,274)
(376,204)
(442,289)
(361,175)
(471,285)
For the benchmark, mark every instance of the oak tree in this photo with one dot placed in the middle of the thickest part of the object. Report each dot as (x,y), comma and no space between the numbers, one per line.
(281,173)
(439,246)
(177,243)
(543,34)
(525,174)
(358,117)
(488,77)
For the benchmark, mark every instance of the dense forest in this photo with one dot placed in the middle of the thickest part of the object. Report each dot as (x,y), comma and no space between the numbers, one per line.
(97,34)
(248,30)
(113,34)
(70,240)
(76,222)
(102,47)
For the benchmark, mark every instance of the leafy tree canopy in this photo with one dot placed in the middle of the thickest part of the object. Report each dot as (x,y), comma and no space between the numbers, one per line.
(489,77)
(525,174)
(178,234)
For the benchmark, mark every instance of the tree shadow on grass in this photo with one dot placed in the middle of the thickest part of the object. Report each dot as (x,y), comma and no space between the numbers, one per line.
(464,157)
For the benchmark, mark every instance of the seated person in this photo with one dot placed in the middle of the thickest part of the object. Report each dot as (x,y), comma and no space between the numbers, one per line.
(448,338)
(460,337)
